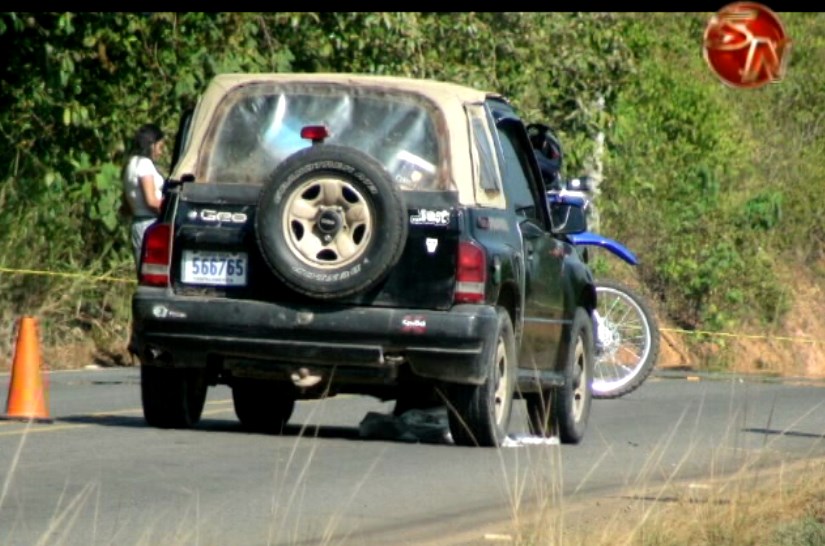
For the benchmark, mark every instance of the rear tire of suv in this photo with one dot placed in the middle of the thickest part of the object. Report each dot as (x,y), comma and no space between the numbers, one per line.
(565,410)
(263,406)
(479,415)
(330,222)
(172,398)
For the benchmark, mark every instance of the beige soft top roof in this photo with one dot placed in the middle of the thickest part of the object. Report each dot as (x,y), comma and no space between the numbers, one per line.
(450,98)
(435,90)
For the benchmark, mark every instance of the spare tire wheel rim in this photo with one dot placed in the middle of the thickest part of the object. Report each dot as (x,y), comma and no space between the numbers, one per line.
(327,222)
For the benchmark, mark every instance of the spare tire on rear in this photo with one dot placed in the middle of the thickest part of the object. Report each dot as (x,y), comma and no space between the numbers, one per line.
(330,222)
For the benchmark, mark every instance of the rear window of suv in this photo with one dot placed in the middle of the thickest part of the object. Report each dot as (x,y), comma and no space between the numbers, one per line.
(257,127)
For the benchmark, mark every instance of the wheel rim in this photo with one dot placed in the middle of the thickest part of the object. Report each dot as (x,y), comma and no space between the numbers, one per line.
(328,223)
(624,340)
(502,391)
(580,380)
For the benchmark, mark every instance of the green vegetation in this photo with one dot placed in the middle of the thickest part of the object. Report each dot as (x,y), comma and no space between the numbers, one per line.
(716,189)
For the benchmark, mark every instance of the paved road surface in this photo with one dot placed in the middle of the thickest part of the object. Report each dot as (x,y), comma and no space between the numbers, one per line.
(99,475)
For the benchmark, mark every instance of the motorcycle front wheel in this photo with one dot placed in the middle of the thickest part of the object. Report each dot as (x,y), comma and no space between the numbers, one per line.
(627,340)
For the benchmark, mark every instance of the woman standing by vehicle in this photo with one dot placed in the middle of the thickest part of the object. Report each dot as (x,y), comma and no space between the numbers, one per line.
(143,183)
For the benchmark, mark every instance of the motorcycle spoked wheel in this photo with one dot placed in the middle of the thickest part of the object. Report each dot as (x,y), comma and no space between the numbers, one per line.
(627,340)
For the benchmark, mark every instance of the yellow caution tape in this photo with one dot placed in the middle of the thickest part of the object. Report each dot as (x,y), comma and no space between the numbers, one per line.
(745,336)
(98,278)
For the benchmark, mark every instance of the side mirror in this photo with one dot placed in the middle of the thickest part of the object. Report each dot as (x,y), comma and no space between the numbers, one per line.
(568,218)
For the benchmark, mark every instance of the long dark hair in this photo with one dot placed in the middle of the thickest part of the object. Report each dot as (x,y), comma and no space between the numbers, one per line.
(145,138)
(142,143)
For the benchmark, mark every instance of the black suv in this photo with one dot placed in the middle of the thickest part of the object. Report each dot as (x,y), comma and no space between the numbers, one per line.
(330,233)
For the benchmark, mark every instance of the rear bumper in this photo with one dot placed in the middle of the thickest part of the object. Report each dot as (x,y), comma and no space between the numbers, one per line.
(367,342)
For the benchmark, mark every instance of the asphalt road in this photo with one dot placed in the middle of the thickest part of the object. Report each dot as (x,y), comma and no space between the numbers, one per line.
(98,475)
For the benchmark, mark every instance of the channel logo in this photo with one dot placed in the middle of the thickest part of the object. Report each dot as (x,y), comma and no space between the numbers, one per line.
(746,46)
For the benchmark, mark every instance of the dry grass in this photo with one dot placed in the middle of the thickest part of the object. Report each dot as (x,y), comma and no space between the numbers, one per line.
(782,506)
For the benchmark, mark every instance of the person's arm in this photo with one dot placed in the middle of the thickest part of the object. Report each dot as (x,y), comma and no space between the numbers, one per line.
(147,184)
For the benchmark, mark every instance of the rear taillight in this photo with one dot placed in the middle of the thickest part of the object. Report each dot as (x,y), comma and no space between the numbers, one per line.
(156,256)
(471,273)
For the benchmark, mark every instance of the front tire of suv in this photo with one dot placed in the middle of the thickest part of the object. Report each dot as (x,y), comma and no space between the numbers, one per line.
(330,222)
(263,406)
(479,415)
(172,398)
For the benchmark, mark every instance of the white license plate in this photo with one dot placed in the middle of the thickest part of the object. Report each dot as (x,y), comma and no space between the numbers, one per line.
(214,268)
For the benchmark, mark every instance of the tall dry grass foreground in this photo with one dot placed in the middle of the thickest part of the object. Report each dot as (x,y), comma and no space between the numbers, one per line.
(782,506)
(759,503)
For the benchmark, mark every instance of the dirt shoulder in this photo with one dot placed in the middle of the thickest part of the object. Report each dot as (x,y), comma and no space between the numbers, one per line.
(793,348)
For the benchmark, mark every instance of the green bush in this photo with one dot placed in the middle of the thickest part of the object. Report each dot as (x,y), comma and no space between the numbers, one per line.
(805,532)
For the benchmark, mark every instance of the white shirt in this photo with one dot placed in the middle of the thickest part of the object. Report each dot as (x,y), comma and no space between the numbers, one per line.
(137,168)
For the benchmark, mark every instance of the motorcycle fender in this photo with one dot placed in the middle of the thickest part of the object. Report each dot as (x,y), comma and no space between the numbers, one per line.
(587,238)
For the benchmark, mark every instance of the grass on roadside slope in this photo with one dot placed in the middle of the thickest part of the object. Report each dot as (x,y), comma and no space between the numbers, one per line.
(783,506)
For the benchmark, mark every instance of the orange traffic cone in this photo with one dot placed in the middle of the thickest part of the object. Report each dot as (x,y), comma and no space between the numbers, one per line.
(27,396)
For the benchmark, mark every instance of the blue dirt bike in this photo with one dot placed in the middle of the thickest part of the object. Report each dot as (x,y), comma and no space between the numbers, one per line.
(626,329)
